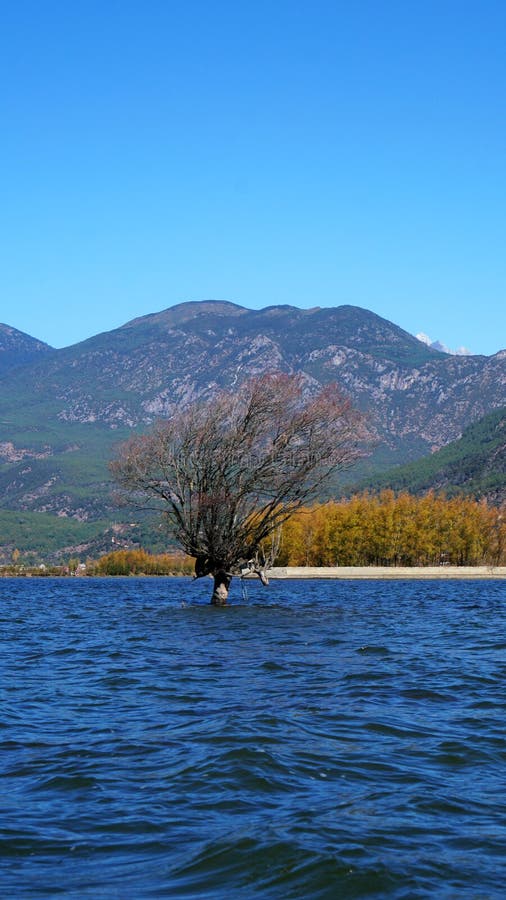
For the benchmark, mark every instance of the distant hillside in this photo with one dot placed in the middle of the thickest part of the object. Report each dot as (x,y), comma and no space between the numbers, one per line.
(474,465)
(62,412)
(18,349)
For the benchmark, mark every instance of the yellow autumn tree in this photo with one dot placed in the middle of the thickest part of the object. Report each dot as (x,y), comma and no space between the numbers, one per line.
(395,530)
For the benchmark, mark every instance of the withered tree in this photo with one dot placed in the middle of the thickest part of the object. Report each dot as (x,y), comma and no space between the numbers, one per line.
(229,471)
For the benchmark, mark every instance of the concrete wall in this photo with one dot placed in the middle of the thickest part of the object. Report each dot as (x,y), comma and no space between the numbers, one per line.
(354,572)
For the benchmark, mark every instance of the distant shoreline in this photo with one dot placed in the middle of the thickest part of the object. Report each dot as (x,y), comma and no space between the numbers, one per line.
(338,573)
(386,572)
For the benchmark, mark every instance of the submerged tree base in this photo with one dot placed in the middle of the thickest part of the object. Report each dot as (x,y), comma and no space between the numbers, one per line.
(221,587)
(222,581)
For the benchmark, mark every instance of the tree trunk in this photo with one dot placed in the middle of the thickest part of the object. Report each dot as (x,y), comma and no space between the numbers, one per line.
(221,585)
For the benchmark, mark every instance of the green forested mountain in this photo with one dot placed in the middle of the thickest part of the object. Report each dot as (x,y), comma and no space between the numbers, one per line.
(474,465)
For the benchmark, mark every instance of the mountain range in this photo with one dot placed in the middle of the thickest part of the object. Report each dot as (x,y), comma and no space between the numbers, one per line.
(63,411)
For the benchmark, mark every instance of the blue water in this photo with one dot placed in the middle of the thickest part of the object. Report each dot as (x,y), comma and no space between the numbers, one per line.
(317,739)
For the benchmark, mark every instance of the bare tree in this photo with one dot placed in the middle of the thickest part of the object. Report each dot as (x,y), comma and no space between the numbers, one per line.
(229,471)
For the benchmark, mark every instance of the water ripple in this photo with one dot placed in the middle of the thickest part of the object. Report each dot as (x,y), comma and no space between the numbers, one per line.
(319,740)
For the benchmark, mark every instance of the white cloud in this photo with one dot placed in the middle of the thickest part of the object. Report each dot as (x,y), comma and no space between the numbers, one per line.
(462,351)
(437,345)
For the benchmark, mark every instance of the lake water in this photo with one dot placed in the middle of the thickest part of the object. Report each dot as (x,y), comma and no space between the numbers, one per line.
(317,739)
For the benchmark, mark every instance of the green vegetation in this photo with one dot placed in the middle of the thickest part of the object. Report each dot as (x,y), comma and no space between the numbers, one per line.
(39,537)
(474,465)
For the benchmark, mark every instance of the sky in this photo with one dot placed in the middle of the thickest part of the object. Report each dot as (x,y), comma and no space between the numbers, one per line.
(312,153)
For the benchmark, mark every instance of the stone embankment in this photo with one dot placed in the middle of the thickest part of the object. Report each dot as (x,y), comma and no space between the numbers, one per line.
(387,572)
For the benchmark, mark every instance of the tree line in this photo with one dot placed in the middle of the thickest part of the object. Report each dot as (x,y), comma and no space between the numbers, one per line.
(367,530)
(140,562)
(117,562)
(395,530)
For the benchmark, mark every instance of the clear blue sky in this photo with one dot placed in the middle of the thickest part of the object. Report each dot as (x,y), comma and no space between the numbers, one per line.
(313,153)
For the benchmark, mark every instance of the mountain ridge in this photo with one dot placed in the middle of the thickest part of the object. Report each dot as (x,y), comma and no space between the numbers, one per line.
(186,310)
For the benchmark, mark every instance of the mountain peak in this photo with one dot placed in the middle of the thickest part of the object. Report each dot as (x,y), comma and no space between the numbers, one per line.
(11,337)
(18,349)
(184,312)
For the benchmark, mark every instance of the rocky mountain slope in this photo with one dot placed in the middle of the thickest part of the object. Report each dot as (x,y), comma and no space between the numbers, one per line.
(61,414)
